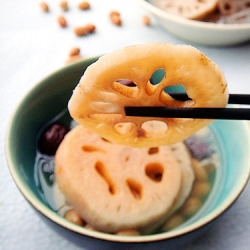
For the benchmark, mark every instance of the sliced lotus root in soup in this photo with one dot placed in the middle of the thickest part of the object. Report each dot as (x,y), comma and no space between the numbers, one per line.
(188,177)
(183,157)
(229,7)
(116,187)
(191,9)
(123,78)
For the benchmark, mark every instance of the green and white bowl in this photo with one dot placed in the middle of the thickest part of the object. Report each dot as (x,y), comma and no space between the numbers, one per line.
(228,143)
(204,33)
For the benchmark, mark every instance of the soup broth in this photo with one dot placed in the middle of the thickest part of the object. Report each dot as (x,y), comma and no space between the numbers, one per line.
(205,159)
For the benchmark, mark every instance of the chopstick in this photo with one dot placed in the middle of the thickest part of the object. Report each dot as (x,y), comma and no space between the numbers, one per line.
(199,113)
(233,98)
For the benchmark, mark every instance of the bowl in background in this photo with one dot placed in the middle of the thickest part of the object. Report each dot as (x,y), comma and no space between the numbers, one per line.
(49,97)
(199,32)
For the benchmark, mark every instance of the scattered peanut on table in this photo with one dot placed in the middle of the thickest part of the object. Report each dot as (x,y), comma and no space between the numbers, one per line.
(84,5)
(64,5)
(62,21)
(146,20)
(74,55)
(44,6)
(84,30)
(115,18)
(74,51)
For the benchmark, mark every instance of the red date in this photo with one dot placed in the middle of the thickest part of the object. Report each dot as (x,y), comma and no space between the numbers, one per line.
(51,137)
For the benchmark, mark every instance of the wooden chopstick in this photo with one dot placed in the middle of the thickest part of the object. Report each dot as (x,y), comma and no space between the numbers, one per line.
(199,113)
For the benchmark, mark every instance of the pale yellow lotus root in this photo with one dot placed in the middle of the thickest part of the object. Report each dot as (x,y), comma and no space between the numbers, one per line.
(116,187)
(105,89)
(191,9)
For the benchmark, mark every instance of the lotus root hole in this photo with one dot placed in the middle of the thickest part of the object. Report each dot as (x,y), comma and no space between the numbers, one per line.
(175,89)
(156,78)
(227,6)
(104,107)
(123,128)
(106,117)
(154,171)
(90,149)
(102,171)
(152,151)
(126,88)
(153,128)
(135,188)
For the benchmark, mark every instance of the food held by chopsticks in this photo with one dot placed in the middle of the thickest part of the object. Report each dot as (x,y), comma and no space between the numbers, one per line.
(125,78)
(118,172)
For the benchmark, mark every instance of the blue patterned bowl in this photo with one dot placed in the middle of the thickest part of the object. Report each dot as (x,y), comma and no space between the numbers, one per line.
(224,143)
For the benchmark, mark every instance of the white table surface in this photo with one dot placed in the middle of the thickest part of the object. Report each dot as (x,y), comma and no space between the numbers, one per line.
(32,46)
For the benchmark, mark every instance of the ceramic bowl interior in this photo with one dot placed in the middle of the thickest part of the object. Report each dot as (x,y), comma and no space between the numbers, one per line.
(204,33)
(227,141)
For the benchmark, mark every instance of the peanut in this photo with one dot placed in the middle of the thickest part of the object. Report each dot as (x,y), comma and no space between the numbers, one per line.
(115,18)
(191,206)
(90,27)
(145,20)
(201,188)
(88,226)
(64,5)
(128,232)
(84,30)
(74,217)
(84,5)
(80,31)
(173,222)
(62,21)
(44,6)
(200,171)
(210,168)
(74,51)
(74,55)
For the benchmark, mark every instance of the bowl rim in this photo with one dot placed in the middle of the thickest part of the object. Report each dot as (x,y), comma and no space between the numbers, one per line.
(193,23)
(53,216)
